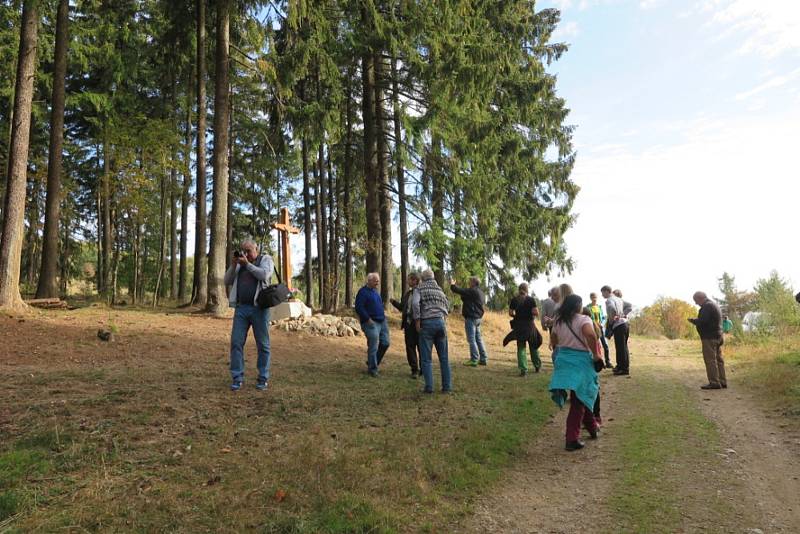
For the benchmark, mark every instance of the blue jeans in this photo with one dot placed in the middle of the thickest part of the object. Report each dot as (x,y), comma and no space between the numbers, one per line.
(376,334)
(434,332)
(474,339)
(245,316)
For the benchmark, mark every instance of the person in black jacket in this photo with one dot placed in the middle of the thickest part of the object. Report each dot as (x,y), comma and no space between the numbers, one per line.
(709,326)
(409,330)
(472,302)
(523,309)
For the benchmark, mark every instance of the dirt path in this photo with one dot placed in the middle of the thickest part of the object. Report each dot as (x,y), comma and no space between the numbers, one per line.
(757,454)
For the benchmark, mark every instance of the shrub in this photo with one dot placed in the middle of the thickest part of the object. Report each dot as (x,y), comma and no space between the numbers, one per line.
(667,317)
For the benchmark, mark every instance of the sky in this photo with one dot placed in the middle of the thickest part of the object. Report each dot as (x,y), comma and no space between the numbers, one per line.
(687,118)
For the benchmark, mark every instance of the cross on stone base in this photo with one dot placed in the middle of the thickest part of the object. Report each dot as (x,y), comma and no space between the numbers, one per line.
(284,227)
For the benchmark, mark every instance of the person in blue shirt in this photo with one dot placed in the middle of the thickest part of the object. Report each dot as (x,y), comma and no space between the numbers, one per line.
(369,308)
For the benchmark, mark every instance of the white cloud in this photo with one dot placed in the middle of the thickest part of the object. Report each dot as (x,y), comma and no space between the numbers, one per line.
(775,81)
(649,4)
(767,27)
(566,30)
(687,212)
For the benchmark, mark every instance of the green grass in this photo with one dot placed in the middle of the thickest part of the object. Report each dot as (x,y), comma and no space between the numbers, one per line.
(347,453)
(771,366)
(668,430)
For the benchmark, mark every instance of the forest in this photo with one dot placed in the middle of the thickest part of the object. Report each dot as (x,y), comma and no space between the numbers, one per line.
(142,139)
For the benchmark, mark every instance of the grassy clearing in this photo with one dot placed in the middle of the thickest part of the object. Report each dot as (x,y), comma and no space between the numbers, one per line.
(667,430)
(770,365)
(149,439)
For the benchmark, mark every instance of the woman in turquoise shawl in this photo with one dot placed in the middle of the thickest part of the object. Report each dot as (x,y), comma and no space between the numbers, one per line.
(574,373)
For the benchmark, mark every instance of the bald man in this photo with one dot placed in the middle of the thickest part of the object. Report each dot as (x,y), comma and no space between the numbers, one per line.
(709,326)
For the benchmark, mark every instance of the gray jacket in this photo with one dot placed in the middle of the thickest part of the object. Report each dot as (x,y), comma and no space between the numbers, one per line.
(261,270)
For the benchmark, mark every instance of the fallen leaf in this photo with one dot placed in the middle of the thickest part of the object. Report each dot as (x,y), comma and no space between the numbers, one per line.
(279,496)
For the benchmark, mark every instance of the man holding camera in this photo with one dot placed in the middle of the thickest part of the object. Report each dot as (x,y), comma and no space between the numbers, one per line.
(249,273)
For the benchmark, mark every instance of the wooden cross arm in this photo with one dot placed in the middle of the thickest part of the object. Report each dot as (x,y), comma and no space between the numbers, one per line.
(286,228)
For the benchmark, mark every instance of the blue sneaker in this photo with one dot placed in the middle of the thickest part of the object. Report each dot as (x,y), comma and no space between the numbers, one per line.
(261,386)
(236,385)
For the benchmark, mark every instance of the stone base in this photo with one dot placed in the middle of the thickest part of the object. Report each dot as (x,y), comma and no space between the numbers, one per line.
(292,310)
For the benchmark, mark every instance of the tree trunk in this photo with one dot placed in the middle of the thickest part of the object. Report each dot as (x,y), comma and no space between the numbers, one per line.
(334,229)
(348,209)
(322,229)
(186,197)
(13,212)
(106,201)
(162,240)
(31,253)
(219,223)
(437,205)
(320,237)
(400,176)
(173,231)
(387,269)
(372,201)
(307,225)
(231,162)
(200,283)
(48,283)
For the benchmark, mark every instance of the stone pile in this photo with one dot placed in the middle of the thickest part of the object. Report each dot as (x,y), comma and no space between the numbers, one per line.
(320,325)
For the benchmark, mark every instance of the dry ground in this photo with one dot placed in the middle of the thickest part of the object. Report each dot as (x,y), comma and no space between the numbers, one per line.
(142,434)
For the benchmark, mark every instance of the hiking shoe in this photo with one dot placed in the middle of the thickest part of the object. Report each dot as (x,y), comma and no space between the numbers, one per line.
(537,368)
(414,374)
(711,386)
(373,373)
(593,433)
(619,372)
(236,385)
(574,445)
(427,391)
(471,363)
(482,362)
(523,372)
(261,386)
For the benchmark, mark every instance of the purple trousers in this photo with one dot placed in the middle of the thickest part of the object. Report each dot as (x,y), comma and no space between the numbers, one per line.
(578,414)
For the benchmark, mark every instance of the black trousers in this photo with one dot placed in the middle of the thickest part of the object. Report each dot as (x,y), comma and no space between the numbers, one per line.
(621,334)
(412,347)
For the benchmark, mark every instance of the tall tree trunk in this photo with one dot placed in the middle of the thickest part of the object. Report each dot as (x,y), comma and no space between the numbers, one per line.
(322,226)
(186,197)
(231,162)
(216,264)
(106,201)
(400,176)
(319,236)
(31,253)
(372,201)
(173,231)
(385,200)
(307,225)
(348,208)
(334,228)
(162,240)
(48,283)
(13,212)
(437,205)
(200,283)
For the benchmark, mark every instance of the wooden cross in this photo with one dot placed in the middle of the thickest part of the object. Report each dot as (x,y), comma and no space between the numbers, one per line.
(284,226)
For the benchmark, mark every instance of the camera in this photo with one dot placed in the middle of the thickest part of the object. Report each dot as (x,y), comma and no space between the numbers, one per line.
(238,254)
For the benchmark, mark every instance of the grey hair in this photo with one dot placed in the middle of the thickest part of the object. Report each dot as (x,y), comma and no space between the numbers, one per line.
(414,274)
(249,241)
(617,293)
(474,281)
(427,274)
(373,276)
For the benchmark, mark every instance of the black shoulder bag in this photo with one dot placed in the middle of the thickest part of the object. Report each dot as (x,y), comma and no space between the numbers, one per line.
(274,294)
